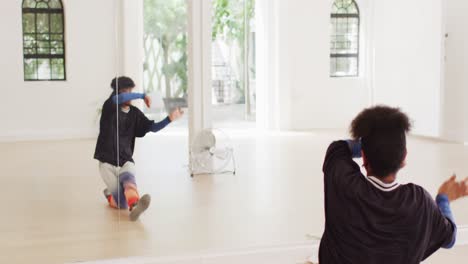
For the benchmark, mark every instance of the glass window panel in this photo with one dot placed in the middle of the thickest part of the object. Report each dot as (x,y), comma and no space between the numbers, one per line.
(233,65)
(29,43)
(29,23)
(43,70)
(43,35)
(43,47)
(56,47)
(345,7)
(56,51)
(56,23)
(344,38)
(165,60)
(29,51)
(42,23)
(30,69)
(56,37)
(333,66)
(42,5)
(29,37)
(352,9)
(58,69)
(29,3)
(343,66)
(55,4)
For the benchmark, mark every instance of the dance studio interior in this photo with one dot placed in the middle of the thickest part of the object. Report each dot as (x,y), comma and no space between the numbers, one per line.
(208,131)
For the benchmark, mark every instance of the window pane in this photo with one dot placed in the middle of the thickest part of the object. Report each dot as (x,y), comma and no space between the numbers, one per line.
(30,69)
(42,23)
(43,47)
(332,66)
(55,4)
(43,69)
(344,39)
(343,66)
(56,24)
(233,65)
(56,37)
(29,44)
(43,37)
(42,5)
(345,7)
(352,9)
(29,23)
(345,35)
(29,3)
(165,61)
(43,33)
(29,51)
(58,69)
(56,47)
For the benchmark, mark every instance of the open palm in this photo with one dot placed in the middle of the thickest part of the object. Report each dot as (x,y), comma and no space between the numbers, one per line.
(176,114)
(454,189)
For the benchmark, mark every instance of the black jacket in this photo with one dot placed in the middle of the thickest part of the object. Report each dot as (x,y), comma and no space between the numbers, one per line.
(364,223)
(131,125)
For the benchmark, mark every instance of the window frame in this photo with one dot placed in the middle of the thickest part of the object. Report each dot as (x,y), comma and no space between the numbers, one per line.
(347,55)
(47,11)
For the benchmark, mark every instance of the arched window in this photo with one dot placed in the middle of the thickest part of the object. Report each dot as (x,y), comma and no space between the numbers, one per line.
(344,56)
(43,40)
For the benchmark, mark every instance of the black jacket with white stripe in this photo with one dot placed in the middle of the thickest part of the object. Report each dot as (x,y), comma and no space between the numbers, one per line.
(368,221)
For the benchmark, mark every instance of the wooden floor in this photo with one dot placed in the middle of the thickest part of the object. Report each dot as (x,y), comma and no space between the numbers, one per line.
(54,211)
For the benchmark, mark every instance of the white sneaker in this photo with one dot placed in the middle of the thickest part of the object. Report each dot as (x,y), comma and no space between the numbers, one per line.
(140,207)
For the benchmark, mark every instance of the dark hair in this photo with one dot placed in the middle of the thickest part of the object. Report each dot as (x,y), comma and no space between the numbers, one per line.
(382,131)
(122,82)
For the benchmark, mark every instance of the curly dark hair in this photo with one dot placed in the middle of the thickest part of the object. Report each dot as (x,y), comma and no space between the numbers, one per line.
(382,131)
(122,82)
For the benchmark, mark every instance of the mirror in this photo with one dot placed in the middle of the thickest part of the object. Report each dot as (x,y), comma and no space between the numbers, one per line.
(265,87)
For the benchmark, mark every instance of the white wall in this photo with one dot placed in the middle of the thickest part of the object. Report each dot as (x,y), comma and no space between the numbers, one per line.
(401,54)
(408,45)
(308,97)
(34,110)
(456,65)
(406,40)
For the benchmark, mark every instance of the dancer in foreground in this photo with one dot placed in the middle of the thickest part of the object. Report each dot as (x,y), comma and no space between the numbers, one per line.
(372,218)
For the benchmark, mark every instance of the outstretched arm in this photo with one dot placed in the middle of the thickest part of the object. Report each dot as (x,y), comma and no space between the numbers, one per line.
(449,191)
(156,126)
(126,97)
(176,114)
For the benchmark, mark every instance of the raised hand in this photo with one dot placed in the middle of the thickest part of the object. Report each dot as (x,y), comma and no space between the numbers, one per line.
(176,114)
(147,100)
(454,189)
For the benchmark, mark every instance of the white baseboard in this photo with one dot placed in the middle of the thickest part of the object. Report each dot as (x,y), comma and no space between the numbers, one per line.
(287,254)
(52,134)
(297,253)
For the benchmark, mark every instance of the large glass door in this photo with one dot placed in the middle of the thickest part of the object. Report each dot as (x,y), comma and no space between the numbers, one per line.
(165,56)
(233,64)
(233,67)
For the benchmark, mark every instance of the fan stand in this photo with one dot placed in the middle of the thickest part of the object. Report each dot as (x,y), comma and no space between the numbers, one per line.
(192,174)
(212,173)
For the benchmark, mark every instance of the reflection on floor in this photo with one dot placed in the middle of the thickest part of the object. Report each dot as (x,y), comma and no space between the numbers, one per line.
(54,211)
